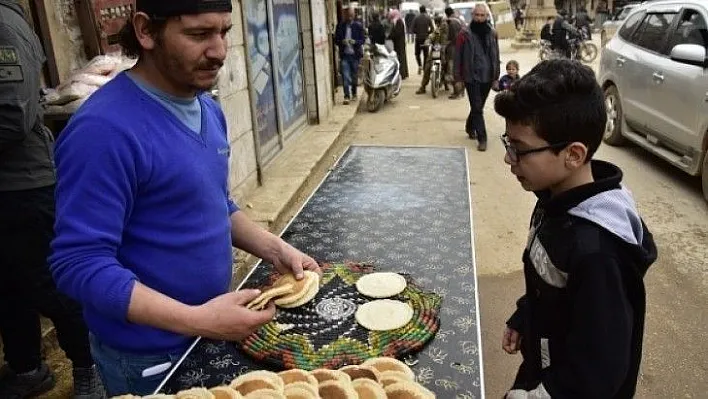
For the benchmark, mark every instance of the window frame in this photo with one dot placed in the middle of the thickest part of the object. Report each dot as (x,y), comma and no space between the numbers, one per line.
(660,50)
(671,43)
(641,14)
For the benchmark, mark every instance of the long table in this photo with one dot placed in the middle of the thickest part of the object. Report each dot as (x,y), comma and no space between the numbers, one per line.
(402,209)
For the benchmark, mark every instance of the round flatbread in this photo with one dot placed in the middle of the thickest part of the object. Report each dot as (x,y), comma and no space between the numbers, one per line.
(324,375)
(303,385)
(337,390)
(381,285)
(298,392)
(296,375)
(265,394)
(310,289)
(357,372)
(368,389)
(271,293)
(408,390)
(384,315)
(385,364)
(225,392)
(195,393)
(257,380)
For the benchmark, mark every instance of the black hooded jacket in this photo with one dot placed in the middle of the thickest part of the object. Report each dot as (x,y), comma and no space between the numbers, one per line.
(582,317)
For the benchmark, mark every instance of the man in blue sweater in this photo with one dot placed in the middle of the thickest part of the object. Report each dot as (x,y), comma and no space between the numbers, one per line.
(145,227)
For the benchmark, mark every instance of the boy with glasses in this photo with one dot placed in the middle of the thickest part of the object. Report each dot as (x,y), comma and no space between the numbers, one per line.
(580,325)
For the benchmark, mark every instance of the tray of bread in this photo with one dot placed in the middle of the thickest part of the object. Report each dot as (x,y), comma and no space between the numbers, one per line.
(376,378)
(351,314)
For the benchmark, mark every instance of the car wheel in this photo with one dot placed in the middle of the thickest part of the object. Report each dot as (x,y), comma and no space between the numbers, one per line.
(704,174)
(613,128)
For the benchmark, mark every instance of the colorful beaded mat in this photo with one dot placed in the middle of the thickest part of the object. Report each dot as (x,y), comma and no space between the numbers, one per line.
(324,333)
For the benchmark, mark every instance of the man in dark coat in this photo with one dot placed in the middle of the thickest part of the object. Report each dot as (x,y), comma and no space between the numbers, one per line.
(377,32)
(477,64)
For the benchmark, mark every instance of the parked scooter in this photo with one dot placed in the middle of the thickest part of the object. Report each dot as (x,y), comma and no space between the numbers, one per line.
(382,79)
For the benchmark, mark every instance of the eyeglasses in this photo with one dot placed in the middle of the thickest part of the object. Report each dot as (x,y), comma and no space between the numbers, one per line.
(515,154)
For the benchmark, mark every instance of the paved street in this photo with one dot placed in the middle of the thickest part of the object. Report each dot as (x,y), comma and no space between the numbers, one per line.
(675,360)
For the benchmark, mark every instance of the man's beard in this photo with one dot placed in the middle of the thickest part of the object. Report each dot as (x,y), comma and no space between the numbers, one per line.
(480,28)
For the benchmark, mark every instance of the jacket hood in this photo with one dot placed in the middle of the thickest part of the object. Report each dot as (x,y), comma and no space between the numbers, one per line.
(610,205)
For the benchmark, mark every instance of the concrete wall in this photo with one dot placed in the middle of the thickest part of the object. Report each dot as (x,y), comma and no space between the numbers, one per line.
(66,36)
(235,101)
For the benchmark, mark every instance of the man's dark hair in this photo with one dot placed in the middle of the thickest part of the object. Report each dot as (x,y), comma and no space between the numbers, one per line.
(563,13)
(128,40)
(422,9)
(561,101)
(449,11)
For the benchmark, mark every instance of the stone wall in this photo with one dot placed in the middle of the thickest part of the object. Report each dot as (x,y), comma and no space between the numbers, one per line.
(66,36)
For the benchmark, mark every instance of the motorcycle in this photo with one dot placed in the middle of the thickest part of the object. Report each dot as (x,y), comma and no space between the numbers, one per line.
(382,78)
(436,69)
(581,49)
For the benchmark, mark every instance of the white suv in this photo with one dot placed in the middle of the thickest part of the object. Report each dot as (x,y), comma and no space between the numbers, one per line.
(655,76)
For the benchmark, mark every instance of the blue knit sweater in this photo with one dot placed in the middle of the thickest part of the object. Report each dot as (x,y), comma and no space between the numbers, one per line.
(140,197)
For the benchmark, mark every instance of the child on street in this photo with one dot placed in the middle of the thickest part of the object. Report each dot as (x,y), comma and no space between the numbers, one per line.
(512,75)
(580,324)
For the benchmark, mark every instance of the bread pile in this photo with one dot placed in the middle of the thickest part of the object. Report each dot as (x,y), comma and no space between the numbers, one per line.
(377,378)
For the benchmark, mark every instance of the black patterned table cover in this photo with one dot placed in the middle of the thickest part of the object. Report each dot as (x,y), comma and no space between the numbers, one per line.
(402,209)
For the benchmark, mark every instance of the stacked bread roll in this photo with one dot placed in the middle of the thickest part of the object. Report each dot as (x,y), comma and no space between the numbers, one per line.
(377,378)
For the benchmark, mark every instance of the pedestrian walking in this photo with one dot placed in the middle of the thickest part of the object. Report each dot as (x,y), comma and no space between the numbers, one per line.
(398,38)
(422,27)
(477,64)
(349,37)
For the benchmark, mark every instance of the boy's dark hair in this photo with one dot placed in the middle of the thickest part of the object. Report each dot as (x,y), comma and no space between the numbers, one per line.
(513,63)
(561,101)
(128,40)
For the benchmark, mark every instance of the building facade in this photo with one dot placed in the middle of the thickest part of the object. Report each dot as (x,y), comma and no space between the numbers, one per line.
(277,78)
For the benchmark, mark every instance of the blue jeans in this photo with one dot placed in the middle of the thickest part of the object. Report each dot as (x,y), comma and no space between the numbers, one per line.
(122,372)
(350,74)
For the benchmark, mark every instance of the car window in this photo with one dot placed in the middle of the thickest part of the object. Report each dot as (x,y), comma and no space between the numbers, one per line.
(691,29)
(653,31)
(628,27)
(623,13)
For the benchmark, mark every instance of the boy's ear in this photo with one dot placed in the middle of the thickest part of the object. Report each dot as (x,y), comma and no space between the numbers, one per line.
(576,154)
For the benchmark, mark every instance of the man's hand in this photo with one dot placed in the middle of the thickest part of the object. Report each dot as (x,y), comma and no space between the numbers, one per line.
(495,85)
(226,317)
(291,260)
(511,343)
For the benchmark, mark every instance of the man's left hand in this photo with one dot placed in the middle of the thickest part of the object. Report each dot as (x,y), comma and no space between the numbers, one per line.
(495,85)
(290,260)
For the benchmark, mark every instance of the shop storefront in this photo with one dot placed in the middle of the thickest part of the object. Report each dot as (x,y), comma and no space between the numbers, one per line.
(276,72)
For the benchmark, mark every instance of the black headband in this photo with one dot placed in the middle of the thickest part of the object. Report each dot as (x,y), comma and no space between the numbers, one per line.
(173,8)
